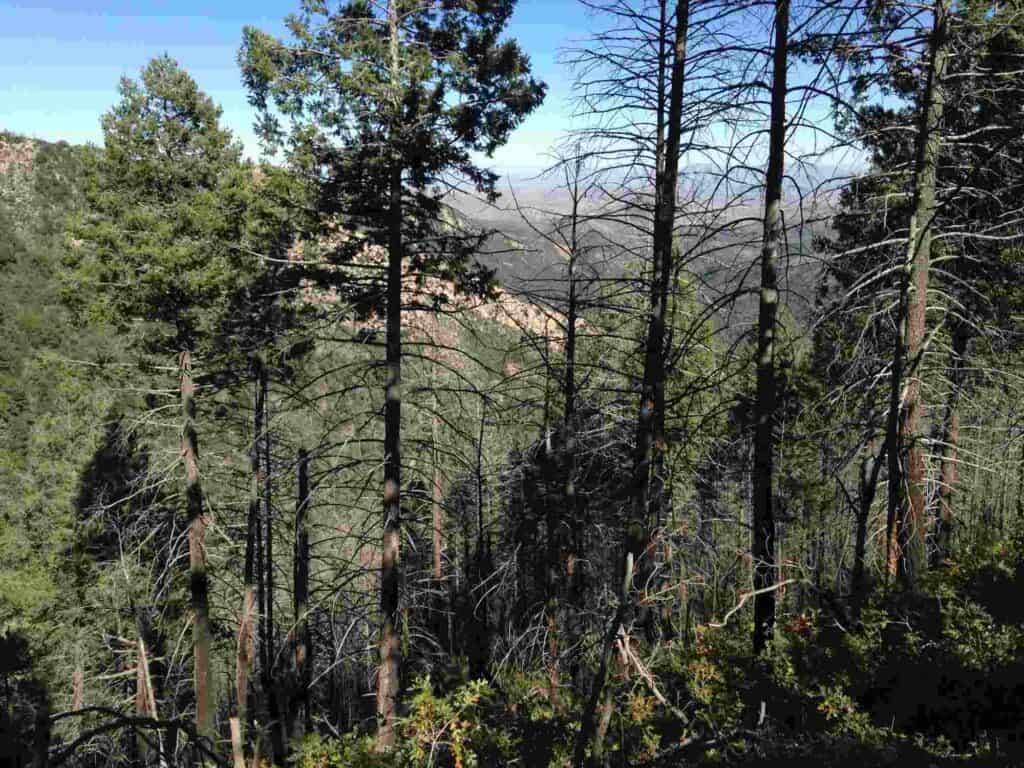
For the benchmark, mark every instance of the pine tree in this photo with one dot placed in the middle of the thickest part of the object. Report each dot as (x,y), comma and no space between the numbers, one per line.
(968,234)
(157,253)
(386,107)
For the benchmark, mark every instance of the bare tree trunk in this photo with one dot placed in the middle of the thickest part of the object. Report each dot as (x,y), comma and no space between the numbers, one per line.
(272,692)
(763,549)
(303,644)
(260,529)
(895,464)
(870,468)
(390,647)
(268,536)
(552,578)
(572,308)
(597,757)
(949,476)
(437,508)
(440,595)
(667,166)
(246,644)
(41,731)
(246,648)
(199,583)
(1020,480)
(910,523)
(145,699)
(653,386)
(77,686)
(590,729)
(237,748)
(561,575)
(554,697)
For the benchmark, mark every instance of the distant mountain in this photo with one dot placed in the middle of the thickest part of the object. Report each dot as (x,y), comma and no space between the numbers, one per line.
(721,249)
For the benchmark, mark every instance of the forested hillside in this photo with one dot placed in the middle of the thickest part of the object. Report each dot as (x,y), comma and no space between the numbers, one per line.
(704,452)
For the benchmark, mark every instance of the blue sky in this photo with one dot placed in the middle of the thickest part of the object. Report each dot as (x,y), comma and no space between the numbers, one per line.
(60,62)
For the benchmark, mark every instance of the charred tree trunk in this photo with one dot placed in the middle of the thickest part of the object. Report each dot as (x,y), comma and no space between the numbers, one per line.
(949,476)
(1020,480)
(671,67)
(870,468)
(437,508)
(440,597)
(303,645)
(41,731)
(199,582)
(572,308)
(564,566)
(552,581)
(246,643)
(271,689)
(268,537)
(246,648)
(764,435)
(648,440)
(590,729)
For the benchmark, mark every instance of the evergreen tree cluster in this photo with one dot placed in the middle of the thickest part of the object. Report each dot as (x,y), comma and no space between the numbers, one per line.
(291,478)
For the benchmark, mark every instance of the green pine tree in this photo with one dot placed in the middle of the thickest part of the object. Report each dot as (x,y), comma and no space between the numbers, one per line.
(387,107)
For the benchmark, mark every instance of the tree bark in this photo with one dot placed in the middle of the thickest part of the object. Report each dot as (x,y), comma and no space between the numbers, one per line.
(41,731)
(552,575)
(1020,480)
(272,693)
(390,647)
(259,528)
(199,583)
(648,441)
(437,509)
(949,474)
(910,522)
(559,568)
(870,468)
(303,645)
(77,686)
(145,698)
(572,308)
(246,647)
(268,536)
(763,548)
(597,757)
(894,462)
(589,726)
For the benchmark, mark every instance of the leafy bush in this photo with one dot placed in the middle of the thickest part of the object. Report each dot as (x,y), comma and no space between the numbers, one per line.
(439,731)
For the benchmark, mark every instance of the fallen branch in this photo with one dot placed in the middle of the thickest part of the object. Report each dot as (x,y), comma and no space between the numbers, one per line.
(119,721)
(631,658)
(746,596)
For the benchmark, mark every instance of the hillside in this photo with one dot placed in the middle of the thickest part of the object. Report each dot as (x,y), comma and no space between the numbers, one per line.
(531,269)
(723,469)
(720,249)
(514,512)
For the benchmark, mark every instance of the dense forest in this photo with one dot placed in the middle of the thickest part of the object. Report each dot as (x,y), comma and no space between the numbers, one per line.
(702,448)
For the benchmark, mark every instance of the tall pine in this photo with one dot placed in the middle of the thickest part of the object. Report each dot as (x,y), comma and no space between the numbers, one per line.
(156,254)
(386,105)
